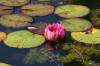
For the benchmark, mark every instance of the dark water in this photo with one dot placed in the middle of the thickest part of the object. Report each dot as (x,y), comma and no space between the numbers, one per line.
(14,56)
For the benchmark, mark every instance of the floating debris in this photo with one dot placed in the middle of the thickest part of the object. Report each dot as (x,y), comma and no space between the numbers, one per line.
(76,24)
(5,10)
(15,20)
(70,11)
(91,38)
(23,39)
(14,2)
(37,9)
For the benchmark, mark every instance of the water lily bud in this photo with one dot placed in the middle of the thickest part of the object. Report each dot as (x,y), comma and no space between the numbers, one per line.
(54,32)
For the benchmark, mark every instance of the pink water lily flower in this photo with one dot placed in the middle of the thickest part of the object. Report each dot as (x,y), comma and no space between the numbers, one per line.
(54,32)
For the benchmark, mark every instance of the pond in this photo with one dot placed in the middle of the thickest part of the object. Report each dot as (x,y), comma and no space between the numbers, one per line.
(26,40)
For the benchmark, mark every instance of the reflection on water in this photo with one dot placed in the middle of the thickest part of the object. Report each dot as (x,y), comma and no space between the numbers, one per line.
(74,54)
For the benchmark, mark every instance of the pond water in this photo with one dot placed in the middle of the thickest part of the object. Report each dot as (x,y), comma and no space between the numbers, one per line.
(16,57)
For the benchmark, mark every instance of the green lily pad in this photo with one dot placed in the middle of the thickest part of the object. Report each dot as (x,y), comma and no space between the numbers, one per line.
(91,38)
(95,17)
(76,24)
(70,11)
(14,2)
(5,10)
(4,64)
(37,9)
(24,39)
(15,20)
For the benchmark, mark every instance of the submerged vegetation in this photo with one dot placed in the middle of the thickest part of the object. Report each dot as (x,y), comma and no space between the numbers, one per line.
(95,17)
(81,53)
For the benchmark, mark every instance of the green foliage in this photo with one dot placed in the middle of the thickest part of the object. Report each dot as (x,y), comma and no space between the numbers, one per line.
(90,38)
(35,55)
(4,64)
(80,52)
(94,16)
(71,11)
(24,39)
(15,20)
(76,24)
(39,55)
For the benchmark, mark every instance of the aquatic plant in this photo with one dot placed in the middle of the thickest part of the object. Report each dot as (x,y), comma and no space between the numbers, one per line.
(37,9)
(75,51)
(95,17)
(40,55)
(14,2)
(70,11)
(23,39)
(15,20)
(38,27)
(5,10)
(54,32)
(4,64)
(89,38)
(76,24)
(3,36)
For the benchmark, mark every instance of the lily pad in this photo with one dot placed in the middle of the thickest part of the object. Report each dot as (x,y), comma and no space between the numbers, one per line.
(39,28)
(5,10)
(3,36)
(37,9)
(70,11)
(15,20)
(4,64)
(95,17)
(76,24)
(90,38)
(14,2)
(24,39)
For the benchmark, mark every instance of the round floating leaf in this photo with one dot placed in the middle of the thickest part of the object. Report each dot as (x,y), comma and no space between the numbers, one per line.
(37,9)
(95,17)
(70,11)
(90,38)
(4,64)
(76,24)
(14,2)
(15,20)
(24,39)
(5,10)
(39,27)
(3,36)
